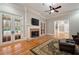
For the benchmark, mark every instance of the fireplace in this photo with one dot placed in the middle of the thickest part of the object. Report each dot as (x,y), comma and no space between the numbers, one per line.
(34,33)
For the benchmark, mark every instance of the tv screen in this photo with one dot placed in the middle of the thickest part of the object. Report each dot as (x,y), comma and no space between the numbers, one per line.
(35,21)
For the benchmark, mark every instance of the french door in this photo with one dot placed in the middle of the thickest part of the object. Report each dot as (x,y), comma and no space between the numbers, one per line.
(11,28)
(61,29)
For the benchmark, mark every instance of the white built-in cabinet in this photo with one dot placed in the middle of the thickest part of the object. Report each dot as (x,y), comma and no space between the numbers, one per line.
(11,27)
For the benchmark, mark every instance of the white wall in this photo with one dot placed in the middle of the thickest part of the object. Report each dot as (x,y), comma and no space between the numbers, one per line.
(31,13)
(50,26)
(74,22)
(73,18)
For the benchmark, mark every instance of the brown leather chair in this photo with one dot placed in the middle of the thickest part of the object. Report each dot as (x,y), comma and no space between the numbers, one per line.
(76,38)
(67,46)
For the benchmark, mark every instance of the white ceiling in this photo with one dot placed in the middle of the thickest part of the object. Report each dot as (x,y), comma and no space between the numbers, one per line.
(66,7)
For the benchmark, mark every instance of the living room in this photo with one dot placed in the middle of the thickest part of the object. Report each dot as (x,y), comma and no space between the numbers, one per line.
(33,29)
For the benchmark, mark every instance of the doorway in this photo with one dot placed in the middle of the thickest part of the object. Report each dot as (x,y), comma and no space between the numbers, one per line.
(61,29)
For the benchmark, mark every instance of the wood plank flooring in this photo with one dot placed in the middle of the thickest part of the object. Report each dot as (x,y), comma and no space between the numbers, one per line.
(22,47)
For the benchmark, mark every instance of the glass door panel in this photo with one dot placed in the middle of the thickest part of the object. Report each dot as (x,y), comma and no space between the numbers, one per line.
(17,23)
(6,28)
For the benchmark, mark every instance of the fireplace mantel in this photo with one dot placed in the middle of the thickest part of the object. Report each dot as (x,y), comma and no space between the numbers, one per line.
(34,29)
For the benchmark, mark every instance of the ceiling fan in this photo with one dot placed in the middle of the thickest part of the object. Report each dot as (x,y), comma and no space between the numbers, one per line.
(52,9)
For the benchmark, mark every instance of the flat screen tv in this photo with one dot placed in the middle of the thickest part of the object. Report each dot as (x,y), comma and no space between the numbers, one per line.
(35,22)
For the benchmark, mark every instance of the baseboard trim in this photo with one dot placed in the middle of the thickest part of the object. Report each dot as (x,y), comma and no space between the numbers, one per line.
(50,34)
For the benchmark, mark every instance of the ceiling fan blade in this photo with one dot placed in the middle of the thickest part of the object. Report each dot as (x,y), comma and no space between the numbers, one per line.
(57,7)
(56,10)
(51,8)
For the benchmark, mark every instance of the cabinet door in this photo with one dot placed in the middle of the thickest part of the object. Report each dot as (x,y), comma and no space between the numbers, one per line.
(6,28)
(11,28)
(17,23)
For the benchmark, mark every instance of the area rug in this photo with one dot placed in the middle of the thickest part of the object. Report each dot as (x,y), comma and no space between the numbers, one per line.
(50,47)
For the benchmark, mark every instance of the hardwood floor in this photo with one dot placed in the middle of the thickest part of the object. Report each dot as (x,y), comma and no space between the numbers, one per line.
(22,47)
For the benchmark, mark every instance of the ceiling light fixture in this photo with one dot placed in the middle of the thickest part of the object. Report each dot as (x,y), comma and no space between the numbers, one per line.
(52,11)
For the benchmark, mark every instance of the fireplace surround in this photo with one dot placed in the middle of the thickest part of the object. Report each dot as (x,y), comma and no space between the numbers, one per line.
(34,33)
